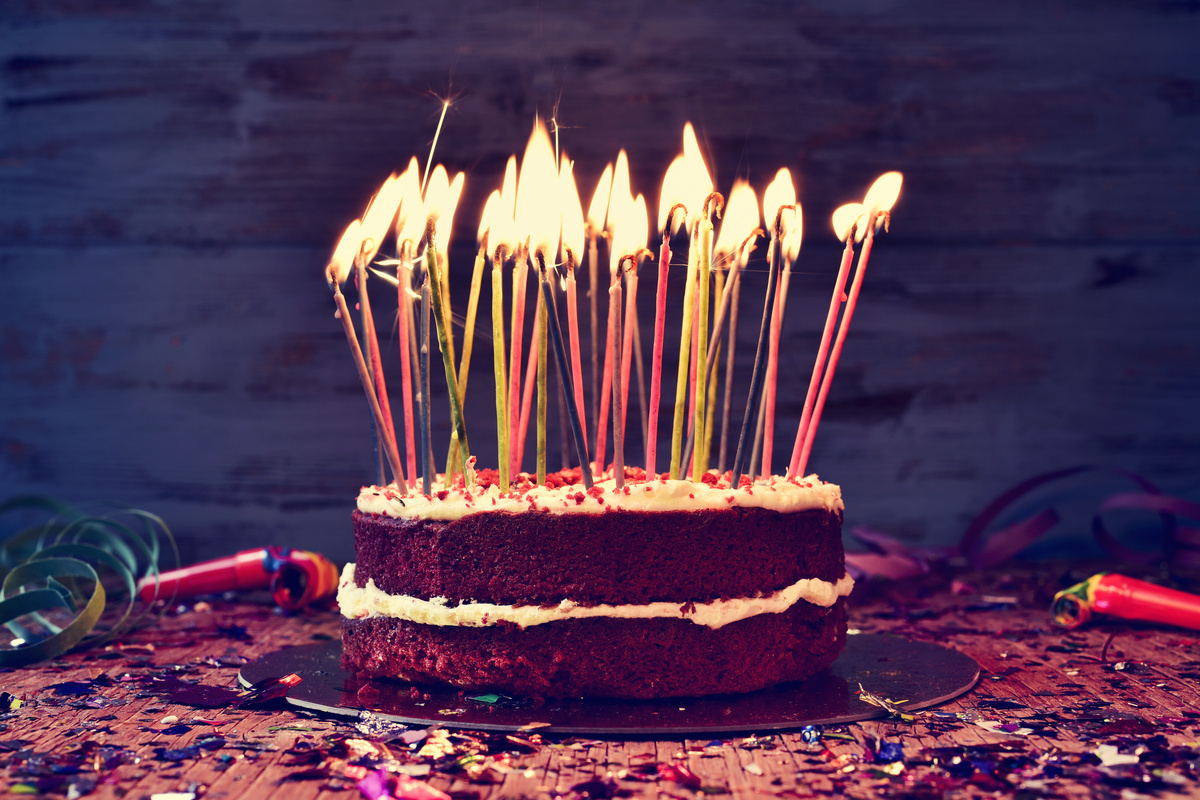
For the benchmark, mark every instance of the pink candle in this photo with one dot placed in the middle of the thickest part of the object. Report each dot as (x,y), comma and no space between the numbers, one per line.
(368,323)
(772,378)
(839,342)
(614,301)
(514,363)
(692,367)
(660,314)
(403,273)
(835,303)
(364,375)
(631,283)
(527,392)
(576,358)
(605,390)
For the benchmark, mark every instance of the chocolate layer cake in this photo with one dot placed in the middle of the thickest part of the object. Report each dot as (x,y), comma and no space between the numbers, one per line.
(660,589)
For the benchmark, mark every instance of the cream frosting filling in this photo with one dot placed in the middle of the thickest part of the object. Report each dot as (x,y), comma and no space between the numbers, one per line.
(369,601)
(775,493)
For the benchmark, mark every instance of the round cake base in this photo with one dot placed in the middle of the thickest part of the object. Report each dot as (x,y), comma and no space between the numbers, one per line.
(918,673)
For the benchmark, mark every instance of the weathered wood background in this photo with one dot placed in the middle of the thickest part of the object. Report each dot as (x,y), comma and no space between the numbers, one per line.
(174,175)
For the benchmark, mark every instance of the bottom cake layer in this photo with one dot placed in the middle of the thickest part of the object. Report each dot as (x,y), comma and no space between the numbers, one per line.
(602,657)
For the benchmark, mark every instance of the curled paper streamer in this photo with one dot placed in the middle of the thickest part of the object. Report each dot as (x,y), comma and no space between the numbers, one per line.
(984,548)
(60,577)
(1182,548)
(888,557)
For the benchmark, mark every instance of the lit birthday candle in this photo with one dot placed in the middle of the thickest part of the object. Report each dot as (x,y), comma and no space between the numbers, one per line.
(619,198)
(535,184)
(636,222)
(742,219)
(440,199)
(713,205)
(538,221)
(336,272)
(672,214)
(442,196)
(573,235)
(376,225)
(699,185)
(410,225)
(779,200)
(560,355)
(492,246)
(503,241)
(739,231)
(597,217)
(845,226)
(741,456)
(877,207)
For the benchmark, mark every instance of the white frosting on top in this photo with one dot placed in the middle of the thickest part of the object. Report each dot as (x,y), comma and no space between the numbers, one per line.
(369,601)
(775,493)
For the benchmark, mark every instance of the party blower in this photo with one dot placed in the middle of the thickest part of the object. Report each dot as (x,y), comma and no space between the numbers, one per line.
(296,578)
(1127,598)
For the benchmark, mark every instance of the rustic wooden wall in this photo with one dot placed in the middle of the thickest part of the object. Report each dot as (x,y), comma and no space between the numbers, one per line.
(174,174)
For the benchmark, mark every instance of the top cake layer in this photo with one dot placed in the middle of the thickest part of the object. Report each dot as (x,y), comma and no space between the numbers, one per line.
(669,541)
(773,494)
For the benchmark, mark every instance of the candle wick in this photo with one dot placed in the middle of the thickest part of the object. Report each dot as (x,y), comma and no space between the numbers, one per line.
(714,203)
(670,224)
(777,228)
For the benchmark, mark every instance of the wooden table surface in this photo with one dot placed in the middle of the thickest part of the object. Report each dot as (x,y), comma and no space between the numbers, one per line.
(1109,710)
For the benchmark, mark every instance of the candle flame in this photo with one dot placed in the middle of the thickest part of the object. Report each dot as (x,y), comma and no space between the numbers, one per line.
(598,210)
(674,191)
(639,226)
(504,232)
(508,189)
(883,194)
(537,216)
(410,222)
(381,212)
(686,181)
(441,199)
(620,213)
(342,260)
(488,219)
(700,185)
(572,211)
(782,192)
(741,217)
(845,217)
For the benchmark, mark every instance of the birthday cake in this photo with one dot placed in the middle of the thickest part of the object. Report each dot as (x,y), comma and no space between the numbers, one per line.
(576,583)
(658,589)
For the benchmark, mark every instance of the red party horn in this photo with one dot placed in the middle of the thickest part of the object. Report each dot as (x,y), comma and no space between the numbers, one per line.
(1127,598)
(296,578)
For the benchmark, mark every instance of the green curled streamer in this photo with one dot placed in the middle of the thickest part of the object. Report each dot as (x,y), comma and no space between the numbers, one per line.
(38,600)
(57,571)
(89,555)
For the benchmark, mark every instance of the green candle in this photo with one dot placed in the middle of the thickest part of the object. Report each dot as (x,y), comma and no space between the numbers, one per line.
(464,369)
(443,325)
(711,203)
(685,349)
(498,365)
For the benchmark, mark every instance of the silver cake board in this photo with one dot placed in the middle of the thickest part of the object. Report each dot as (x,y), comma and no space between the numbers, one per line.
(915,674)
